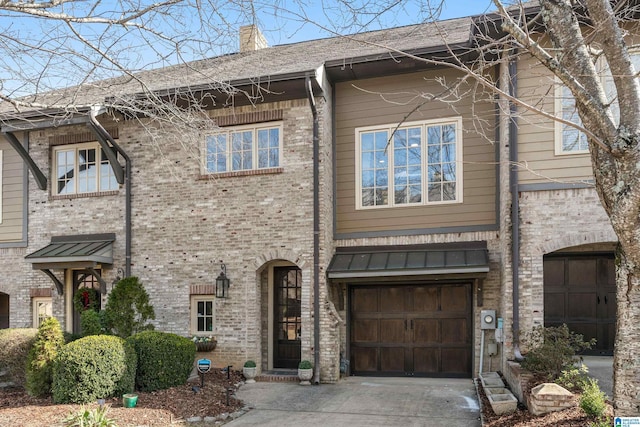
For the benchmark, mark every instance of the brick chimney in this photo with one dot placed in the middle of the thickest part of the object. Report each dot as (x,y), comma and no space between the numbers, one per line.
(251,38)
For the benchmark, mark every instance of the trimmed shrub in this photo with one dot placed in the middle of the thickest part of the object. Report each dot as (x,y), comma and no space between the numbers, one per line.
(592,400)
(90,323)
(15,344)
(128,310)
(164,360)
(554,350)
(49,341)
(249,364)
(93,367)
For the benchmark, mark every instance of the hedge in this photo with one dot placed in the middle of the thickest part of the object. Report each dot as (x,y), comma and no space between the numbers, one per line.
(15,344)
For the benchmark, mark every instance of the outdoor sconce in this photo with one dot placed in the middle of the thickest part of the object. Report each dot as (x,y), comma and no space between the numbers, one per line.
(119,275)
(222,283)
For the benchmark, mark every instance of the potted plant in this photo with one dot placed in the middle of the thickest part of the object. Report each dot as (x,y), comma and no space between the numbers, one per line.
(249,371)
(305,372)
(204,343)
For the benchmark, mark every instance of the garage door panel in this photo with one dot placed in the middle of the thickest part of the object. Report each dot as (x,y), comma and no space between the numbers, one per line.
(581,272)
(365,331)
(392,359)
(583,305)
(553,272)
(554,306)
(364,359)
(426,331)
(425,299)
(365,300)
(454,298)
(392,330)
(456,360)
(454,331)
(392,300)
(426,360)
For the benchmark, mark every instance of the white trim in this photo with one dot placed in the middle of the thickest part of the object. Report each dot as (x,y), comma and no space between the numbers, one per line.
(254,128)
(193,314)
(34,308)
(75,148)
(390,128)
(1,189)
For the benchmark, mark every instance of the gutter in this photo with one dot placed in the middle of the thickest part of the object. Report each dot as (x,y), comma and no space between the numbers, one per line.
(515,210)
(127,182)
(316,233)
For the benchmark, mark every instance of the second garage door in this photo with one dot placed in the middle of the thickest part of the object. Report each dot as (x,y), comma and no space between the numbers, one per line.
(422,330)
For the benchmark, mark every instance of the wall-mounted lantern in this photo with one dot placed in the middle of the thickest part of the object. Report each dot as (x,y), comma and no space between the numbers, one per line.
(222,283)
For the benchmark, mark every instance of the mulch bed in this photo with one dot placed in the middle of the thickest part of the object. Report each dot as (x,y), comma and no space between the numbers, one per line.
(159,408)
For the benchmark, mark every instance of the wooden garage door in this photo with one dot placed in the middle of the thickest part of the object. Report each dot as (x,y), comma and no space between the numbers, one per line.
(580,291)
(411,330)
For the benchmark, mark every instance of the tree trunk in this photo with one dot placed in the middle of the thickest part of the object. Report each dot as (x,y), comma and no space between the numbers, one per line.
(626,361)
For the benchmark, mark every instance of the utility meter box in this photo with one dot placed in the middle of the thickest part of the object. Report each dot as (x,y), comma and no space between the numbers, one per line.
(488,319)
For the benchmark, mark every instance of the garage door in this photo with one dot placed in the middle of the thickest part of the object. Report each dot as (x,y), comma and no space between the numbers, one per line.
(580,291)
(410,330)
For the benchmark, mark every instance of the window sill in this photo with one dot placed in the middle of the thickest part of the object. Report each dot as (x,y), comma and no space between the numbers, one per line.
(232,174)
(83,195)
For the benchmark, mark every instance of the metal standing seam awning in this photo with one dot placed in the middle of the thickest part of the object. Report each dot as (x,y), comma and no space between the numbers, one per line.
(80,251)
(414,260)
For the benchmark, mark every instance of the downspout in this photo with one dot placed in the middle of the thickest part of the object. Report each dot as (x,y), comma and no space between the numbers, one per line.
(316,233)
(515,210)
(127,183)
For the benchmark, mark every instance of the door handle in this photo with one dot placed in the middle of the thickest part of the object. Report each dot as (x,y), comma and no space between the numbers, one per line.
(405,324)
(605,299)
(598,299)
(412,324)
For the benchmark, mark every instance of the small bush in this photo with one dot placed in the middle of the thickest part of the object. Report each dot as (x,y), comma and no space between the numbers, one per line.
(15,344)
(98,366)
(89,418)
(48,342)
(164,360)
(305,364)
(553,351)
(249,364)
(592,400)
(128,310)
(90,323)
(575,378)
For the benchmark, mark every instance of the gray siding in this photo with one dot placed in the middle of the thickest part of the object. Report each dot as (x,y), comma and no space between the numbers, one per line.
(12,225)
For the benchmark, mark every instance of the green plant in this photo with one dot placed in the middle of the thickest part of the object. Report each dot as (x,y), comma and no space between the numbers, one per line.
(128,310)
(553,351)
(592,400)
(305,364)
(15,344)
(249,364)
(90,418)
(49,340)
(574,378)
(91,323)
(164,360)
(93,367)
(86,299)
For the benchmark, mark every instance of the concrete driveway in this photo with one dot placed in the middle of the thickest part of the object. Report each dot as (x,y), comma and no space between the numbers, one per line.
(362,401)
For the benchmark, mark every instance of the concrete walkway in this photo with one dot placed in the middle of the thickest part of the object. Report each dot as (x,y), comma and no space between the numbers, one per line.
(362,401)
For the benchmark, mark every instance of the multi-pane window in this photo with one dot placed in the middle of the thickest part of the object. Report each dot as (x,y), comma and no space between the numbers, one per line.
(42,308)
(245,148)
(82,168)
(571,140)
(414,164)
(202,314)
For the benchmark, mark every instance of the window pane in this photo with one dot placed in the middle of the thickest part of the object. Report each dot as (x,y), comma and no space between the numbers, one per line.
(407,151)
(435,192)
(572,138)
(374,173)
(107,177)
(87,169)
(449,191)
(65,170)
(217,153)
(241,150)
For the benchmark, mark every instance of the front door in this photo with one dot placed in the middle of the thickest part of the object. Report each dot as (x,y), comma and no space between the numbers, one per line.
(288,324)
(4,310)
(82,279)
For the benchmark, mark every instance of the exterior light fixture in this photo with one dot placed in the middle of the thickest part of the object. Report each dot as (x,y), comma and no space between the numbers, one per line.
(222,283)
(119,276)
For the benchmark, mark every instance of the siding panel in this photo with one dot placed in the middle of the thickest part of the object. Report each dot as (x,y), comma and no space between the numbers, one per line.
(12,221)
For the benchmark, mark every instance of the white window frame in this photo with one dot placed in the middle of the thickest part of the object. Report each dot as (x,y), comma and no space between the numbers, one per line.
(390,129)
(558,93)
(254,129)
(35,301)
(99,166)
(194,300)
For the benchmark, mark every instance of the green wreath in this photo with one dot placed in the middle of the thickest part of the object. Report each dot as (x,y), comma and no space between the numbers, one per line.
(86,299)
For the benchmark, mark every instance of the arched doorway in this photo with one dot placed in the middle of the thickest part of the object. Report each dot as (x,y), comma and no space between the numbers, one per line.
(4,310)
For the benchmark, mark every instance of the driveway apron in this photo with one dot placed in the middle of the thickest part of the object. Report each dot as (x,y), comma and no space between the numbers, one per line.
(362,401)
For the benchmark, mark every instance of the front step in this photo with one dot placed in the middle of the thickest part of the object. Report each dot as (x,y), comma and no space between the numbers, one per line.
(278,376)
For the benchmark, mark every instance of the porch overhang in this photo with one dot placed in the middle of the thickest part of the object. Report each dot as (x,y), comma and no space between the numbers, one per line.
(465,258)
(81,252)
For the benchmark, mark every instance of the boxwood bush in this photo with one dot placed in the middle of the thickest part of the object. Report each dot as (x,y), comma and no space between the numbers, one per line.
(15,344)
(164,360)
(93,367)
(49,341)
